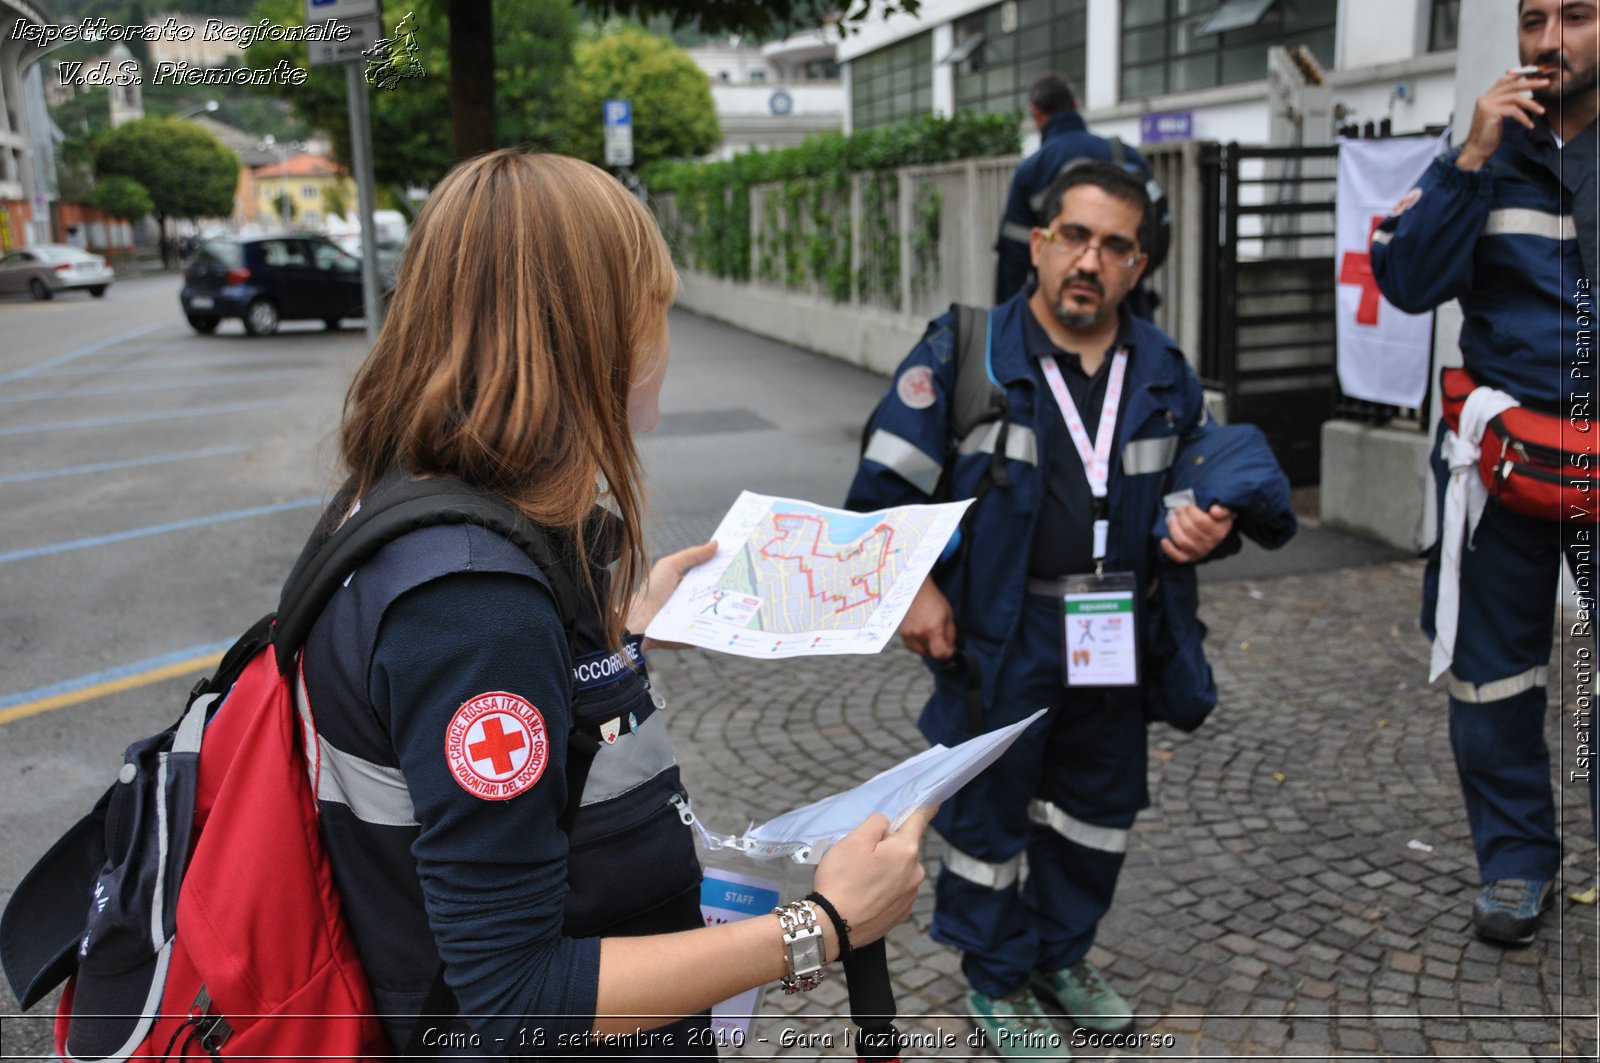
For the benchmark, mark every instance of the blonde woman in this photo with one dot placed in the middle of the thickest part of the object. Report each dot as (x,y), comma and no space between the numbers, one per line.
(525,344)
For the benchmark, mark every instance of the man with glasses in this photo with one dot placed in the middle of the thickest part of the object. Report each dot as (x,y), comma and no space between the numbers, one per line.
(1047,598)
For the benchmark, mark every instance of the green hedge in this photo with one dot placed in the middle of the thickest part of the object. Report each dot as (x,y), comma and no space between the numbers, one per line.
(709,224)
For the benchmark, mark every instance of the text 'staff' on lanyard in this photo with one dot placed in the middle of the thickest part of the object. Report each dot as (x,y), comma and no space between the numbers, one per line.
(1100,638)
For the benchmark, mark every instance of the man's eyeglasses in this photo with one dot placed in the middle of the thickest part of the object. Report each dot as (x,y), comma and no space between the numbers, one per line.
(1071,241)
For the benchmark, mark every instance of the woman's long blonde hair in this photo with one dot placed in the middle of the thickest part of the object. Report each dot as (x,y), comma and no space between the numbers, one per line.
(531,285)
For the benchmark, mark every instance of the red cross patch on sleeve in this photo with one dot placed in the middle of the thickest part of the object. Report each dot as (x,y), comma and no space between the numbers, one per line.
(496,746)
(915,387)
(1407,201)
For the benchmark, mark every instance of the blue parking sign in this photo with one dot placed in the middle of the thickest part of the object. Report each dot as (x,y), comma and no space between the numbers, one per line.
(619,132)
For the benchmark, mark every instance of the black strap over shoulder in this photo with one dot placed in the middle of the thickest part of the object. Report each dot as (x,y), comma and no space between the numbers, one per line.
(396,507)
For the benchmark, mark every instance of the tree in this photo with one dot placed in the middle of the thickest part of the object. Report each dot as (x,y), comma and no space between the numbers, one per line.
(412,122)
(122,197)
(185,170)
(673,116)
(476,108)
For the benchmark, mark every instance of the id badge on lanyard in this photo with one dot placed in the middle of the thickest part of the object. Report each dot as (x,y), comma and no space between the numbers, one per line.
(1102,648)
(1100,636)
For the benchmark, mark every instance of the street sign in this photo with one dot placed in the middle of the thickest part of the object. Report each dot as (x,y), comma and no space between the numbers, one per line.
(362,18)
(619,133)
(1166,125)
(319,10)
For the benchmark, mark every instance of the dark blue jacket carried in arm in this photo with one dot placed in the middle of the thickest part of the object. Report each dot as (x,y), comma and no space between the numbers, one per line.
(1065,138)
(986,578)
(1503,241)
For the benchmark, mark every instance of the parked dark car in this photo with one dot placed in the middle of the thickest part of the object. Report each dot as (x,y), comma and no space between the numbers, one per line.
(263,280)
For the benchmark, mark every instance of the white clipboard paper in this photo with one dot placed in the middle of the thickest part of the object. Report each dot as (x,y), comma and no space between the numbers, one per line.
(921,781)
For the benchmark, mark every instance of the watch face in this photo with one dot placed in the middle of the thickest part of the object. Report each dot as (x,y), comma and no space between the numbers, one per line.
(808,954)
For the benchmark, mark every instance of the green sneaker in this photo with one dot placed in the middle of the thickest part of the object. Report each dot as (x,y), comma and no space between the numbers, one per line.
(1017,1026)
(1083,995)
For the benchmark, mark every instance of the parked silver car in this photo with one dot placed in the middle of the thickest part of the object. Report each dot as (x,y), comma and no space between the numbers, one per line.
(45,269)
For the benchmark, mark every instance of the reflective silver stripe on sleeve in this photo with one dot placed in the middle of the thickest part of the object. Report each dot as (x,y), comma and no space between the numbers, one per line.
(1149,455)
(1499,689)
(1021,443)
(631,761)
(372,792)
(904,459)
(1105,839)
(1016,231)
(1382,236)
(989,876)
(1520,221)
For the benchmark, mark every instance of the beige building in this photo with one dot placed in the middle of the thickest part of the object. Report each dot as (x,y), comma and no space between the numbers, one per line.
(302,190)
(196,51)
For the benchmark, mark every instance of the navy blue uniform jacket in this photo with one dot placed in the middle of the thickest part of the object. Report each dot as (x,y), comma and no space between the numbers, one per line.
(986,582)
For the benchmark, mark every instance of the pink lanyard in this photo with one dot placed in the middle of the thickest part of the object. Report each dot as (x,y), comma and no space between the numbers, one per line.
(1096,458)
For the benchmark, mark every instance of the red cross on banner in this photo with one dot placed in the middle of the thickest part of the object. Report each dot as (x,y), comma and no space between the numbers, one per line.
(1357,269)
(1383,352)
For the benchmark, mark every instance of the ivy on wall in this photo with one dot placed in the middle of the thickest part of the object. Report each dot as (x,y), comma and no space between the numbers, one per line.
(803,236)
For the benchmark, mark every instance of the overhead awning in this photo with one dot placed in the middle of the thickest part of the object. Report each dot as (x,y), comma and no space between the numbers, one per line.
(965,50)
(1234,15)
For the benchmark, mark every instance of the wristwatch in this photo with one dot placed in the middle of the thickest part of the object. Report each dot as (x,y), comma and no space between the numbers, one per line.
(803,945)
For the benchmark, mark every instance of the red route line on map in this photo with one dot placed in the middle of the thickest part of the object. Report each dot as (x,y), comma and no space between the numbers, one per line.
(882,531)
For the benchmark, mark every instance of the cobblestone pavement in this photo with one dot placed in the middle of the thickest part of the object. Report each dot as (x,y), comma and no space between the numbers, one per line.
(1300,885)
(1273,904)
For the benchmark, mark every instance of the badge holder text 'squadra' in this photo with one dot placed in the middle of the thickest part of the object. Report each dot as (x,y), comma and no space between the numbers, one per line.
(1100,639)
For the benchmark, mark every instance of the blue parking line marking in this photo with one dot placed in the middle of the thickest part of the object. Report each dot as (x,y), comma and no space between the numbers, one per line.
(157,529)
(129,463)
(108,675)
(209,361)
(155,385)
(81,352)
(140,418)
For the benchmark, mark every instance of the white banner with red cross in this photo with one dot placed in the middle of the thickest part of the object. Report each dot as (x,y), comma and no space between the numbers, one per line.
(1383,353)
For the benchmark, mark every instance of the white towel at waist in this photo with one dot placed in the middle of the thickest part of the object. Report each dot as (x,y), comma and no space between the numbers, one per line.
(1464,499)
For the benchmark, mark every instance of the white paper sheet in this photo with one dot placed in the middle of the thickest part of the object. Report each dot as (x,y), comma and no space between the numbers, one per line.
(921,781)
(792,578)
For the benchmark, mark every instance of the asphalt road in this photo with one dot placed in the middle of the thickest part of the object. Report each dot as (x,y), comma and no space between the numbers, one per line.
(154,487)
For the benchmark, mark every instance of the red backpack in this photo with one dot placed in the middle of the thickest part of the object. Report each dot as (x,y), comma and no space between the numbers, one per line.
(193,910)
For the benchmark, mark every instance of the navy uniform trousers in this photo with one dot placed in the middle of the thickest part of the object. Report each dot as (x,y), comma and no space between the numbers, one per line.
(1498,682)
(1065,795)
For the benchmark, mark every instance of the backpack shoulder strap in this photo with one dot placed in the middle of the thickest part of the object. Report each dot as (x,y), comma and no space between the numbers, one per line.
(1119,151)
(388,513)
(975,399)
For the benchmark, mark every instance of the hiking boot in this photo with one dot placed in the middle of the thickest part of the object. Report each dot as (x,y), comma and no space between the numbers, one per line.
(1017,1026)
(1508,910)
(1082,994)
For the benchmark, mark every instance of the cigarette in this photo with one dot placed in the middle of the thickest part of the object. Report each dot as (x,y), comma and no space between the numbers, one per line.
(1529,71)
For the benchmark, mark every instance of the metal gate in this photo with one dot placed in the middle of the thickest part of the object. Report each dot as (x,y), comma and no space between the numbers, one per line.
(1267,293)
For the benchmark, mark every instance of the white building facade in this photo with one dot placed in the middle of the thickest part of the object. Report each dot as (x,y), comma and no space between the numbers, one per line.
(1161,69)
(773,95)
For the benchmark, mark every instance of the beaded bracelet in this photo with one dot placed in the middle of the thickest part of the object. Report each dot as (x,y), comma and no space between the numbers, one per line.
(840,925)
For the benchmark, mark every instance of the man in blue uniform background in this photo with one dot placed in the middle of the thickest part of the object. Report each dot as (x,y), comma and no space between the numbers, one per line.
(1068,482)
(1064,138)
(1492,224)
